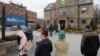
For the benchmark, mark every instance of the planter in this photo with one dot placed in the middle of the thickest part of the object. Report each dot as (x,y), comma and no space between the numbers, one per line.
(7,47)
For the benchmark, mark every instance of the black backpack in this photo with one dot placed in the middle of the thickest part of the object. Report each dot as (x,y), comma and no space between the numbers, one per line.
(29,35)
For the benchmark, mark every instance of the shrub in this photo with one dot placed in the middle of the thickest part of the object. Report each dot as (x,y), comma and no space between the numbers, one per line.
(11,38)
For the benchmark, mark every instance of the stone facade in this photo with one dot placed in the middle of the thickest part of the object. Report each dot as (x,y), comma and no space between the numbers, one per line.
(76,13)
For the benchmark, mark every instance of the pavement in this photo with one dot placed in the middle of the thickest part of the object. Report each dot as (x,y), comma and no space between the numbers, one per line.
(74,48)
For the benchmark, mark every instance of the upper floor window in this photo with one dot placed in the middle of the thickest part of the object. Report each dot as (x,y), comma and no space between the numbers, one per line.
(63,1)
(84,10)
(82,1)
(64,13)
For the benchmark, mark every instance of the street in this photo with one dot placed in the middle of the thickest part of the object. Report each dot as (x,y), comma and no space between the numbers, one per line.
(74,48)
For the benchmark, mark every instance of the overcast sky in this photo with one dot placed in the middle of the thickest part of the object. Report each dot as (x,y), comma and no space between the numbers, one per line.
(37,5)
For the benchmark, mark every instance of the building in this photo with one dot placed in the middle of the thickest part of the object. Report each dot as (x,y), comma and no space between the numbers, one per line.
(16,14)
(32,17)
(1,5)
(48,14)
(40,21)
(74,14)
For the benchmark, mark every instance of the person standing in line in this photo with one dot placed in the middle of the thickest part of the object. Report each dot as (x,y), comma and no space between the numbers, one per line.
(51,29)
(90,42)
(44,47)
(29,33)
(58,27)
(37,34)
(22,40)
(61,45)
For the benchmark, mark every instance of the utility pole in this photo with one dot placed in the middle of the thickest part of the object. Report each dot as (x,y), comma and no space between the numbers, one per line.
(3,23)
(26,19)
(78,12)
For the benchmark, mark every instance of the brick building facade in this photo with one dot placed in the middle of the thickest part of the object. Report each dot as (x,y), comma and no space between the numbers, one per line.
(32,17)
(1,5)
(19,10)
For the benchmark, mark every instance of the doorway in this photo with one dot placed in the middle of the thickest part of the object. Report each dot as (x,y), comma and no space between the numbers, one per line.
(62,24)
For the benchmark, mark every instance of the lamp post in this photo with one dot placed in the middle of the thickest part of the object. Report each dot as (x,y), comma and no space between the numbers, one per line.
(3,23)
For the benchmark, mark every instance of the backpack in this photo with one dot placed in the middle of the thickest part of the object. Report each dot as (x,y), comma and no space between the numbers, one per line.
(29,35)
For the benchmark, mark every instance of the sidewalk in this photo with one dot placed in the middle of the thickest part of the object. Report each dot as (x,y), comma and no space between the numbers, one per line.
(31,53)
(74,48)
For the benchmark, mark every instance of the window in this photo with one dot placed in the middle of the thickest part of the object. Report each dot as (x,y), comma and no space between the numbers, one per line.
(63,1)
(84,10)
(10,11)
(71,21)
(83,21)
(82,1)
(62,13)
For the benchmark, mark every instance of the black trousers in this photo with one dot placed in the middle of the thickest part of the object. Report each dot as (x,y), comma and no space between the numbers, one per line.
(90,54)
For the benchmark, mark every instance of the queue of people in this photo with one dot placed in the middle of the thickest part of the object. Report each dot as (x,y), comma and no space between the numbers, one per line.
(89,45)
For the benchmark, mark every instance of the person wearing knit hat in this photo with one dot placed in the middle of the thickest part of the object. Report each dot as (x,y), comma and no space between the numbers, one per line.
(61,35)
(62,44)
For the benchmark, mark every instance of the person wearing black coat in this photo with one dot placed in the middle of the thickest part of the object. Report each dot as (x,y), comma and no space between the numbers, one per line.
(51,29)
(44,47)
(90,43)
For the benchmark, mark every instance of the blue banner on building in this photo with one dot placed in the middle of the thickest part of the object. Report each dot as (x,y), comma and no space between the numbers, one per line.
(14,20)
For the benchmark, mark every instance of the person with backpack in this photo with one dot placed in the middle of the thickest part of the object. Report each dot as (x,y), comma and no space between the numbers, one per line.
(29,34)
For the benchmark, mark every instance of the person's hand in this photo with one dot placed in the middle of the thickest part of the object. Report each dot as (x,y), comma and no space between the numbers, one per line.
(18,49)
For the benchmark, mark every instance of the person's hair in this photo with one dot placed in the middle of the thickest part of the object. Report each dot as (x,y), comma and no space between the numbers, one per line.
(38,27)
(45,32)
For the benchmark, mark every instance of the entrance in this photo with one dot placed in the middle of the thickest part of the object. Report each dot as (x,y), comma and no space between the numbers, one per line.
(62,24)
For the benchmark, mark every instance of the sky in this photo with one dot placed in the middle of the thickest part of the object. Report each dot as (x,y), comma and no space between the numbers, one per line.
(37,5)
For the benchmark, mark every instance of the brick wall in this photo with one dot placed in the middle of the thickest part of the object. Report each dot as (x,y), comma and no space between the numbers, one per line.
(32,16)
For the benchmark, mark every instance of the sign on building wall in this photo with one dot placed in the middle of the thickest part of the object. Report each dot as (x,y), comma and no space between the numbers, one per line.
(14,20)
